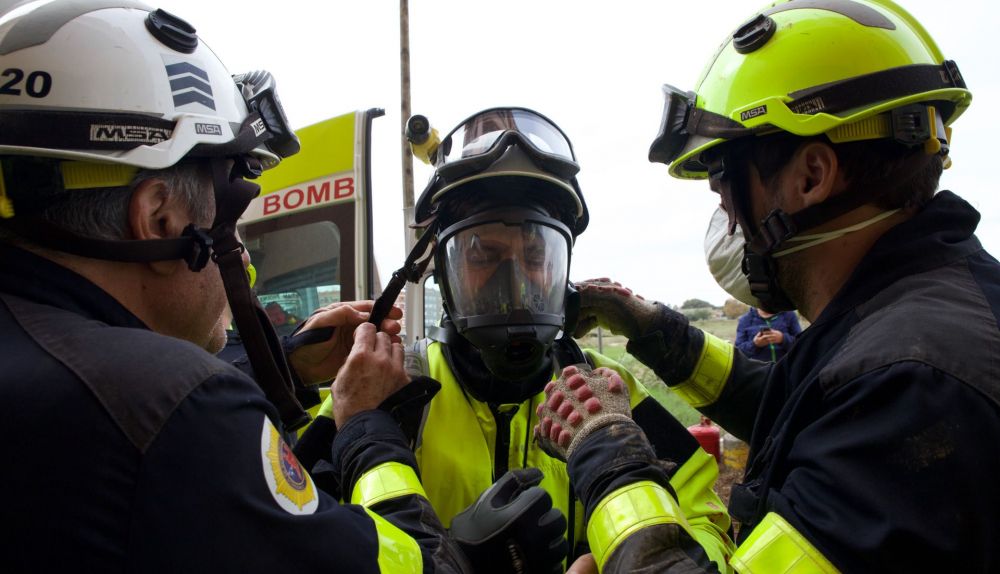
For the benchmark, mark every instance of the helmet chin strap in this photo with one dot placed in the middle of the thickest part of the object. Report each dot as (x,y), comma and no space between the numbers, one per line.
(195,246)
(232,196)
(778,227)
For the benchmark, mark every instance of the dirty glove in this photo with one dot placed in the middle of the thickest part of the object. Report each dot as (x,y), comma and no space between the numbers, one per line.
(578,403)
(609,305)
(658,336)
(512,527)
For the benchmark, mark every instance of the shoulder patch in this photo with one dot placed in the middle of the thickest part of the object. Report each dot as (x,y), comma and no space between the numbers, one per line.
(289,483)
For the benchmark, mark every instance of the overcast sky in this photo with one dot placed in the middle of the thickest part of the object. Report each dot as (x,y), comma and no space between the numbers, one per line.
(595,68)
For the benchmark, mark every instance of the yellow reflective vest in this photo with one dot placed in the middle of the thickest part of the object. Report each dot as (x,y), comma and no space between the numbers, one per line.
(456,453)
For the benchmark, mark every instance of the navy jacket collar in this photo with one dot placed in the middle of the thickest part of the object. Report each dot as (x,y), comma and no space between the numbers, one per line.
(29,276)
(941,233)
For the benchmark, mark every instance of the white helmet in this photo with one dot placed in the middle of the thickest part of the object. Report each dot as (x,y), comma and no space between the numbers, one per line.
(88,83)
(116,81)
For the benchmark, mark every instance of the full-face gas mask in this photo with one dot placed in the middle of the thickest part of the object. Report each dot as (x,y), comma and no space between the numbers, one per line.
(504,281)
(500,214)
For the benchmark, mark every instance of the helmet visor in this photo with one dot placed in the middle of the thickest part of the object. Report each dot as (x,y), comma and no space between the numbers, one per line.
(485,135)
(498,268)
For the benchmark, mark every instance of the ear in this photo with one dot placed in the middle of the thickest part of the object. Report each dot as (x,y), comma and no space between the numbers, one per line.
(155,213)
(813,175)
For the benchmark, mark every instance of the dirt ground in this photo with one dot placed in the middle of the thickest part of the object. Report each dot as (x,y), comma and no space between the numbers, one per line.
(727,478)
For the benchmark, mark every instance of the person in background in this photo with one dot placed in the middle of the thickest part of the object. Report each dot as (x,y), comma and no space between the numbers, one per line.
(766,336)
(284,323)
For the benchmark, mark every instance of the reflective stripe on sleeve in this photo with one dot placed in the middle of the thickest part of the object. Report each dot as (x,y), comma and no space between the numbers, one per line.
(628,510)
(775,547)
(385,481)
(705,384)
(397,551)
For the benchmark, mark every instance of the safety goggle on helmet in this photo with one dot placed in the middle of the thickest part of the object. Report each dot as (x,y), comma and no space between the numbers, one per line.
(855,70)
(167,96)
(480,139)
(481,147)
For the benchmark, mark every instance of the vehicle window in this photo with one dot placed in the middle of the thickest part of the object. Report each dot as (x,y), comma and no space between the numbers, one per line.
(298,271)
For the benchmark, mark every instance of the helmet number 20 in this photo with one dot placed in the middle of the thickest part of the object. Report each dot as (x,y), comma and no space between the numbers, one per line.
(36,84)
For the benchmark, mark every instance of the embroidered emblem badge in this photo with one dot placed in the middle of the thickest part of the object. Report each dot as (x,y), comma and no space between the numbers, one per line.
(289,483)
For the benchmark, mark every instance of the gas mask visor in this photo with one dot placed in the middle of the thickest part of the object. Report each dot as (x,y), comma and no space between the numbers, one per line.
(506,269)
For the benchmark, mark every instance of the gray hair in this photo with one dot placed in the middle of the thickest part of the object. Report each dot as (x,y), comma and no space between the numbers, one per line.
(102,213)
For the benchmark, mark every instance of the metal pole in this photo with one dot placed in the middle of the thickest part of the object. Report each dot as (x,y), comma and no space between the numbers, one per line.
(404,115)
(413,309)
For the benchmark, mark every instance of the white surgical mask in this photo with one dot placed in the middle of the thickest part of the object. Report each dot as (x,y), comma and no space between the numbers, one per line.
(724,255)
(724,252)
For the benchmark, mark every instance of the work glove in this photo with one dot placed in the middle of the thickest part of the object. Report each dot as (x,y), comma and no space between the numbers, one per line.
(609,305)
(513,528)
(658,336)
(578,403)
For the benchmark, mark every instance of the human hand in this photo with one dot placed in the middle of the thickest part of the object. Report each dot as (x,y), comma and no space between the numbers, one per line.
(371,373)
(512,527)
(583,565)
(775,337)
(761,339)
(578,403)
(317,362)
(614,307)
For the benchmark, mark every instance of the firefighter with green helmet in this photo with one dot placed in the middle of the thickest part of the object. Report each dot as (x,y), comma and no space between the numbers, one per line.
(500,215)
(823,126)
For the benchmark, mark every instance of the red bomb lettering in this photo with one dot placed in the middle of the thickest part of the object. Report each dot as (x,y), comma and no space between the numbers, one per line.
(314,194)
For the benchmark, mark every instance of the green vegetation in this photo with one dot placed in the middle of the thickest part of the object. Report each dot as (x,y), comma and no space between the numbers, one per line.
(721,328)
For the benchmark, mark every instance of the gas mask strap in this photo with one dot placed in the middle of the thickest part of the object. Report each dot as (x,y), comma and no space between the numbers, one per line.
(412,270)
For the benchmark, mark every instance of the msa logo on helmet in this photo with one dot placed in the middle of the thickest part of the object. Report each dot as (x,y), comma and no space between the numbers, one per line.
(132,134)
(753,113)
(258,127)
(208,129)
(189,84)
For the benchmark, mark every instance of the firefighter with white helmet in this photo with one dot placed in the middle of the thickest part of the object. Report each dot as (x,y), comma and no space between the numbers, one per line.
(823,126)
(125,150)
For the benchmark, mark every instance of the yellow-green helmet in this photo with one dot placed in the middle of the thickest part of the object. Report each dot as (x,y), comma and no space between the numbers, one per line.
(813,67)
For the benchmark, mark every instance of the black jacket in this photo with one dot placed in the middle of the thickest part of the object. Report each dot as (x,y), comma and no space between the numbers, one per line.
(132,451)
(878,436)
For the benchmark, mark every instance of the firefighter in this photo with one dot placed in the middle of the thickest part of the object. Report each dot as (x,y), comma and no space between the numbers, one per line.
(824,128)
(124,149)
(503,209)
